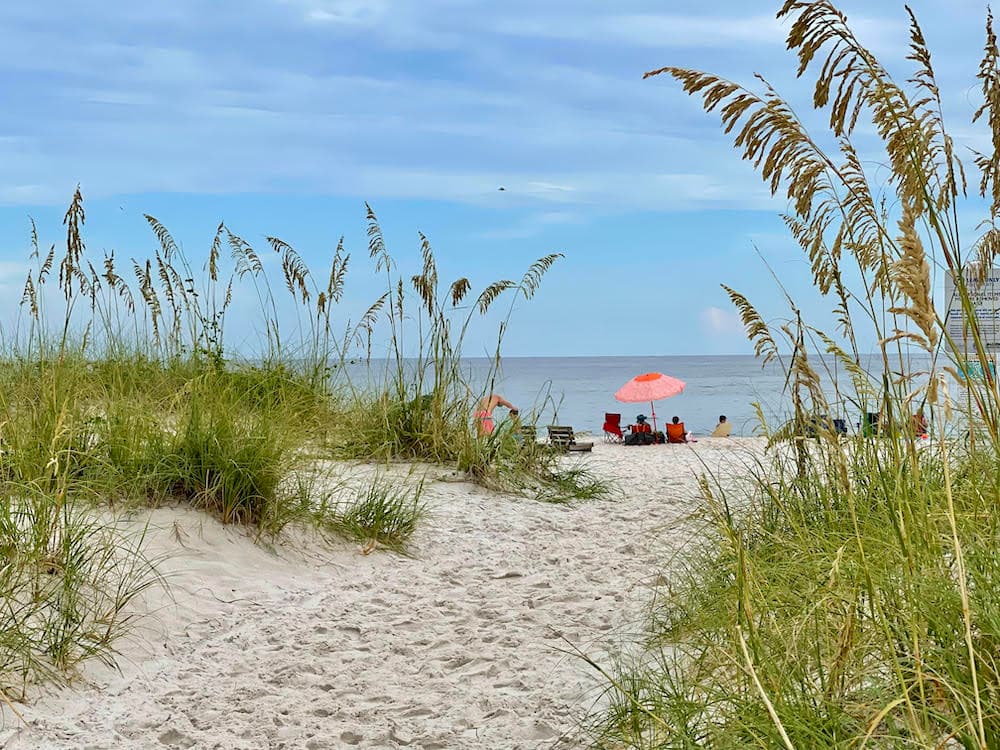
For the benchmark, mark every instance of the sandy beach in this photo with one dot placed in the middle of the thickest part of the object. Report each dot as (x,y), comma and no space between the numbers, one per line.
(463,644)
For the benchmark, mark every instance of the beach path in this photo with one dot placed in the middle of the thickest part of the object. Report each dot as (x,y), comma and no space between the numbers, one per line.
(461,645)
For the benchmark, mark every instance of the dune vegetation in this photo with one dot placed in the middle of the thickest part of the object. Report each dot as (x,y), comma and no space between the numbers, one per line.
(845,595)
(120,390)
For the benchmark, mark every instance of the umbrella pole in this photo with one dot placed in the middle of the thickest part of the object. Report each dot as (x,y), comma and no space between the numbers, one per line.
(652,411)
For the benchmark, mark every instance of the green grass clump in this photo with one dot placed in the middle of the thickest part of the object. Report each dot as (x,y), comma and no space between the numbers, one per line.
(226,463)
(66,580)
(385,515)
(564,485)
(219,441)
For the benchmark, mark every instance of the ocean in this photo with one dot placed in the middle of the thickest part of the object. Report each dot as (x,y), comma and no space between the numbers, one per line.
(577,391)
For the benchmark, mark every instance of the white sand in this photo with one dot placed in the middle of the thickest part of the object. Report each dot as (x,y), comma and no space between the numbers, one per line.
(460,646)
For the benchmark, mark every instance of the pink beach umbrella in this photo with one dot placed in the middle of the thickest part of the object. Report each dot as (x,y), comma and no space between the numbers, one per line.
(652,386)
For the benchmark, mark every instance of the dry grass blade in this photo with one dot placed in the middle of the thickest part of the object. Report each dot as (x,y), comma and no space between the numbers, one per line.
(247,260)
(989,76)
(458,290)
(424,290)
(771,138)
(338,273)
(46,267)
(116,283)
(214,253)
(985,252)
(426,282)
(912,131)
(911,276)
(367,323)
(167,281)
(35,252)
(760,689)
(92,285)
(491,293)
(144,276)
(764,345)
(167,244)
(930,108)
(811,238)
(295,270)
(69,267)
(109,270)
(532,278)
(376,242)
(399,300)
(842,313)
(30,297)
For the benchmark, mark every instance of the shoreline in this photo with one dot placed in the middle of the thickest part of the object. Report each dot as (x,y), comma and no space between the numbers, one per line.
(459,645)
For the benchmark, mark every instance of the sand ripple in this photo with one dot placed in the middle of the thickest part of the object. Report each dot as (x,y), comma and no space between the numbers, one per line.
(462,645)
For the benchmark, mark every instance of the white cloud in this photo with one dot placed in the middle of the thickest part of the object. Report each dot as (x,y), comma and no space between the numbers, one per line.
(533,225)
(31,194)
(718,322)
(544,99)
(652,29)
(343,12)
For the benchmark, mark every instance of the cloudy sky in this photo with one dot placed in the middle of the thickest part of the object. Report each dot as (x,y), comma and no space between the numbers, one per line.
(282,117)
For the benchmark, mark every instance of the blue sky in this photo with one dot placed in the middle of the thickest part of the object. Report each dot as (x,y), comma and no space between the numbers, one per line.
(283,116)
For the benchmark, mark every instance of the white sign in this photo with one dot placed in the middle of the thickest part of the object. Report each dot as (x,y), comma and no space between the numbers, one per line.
(985,299)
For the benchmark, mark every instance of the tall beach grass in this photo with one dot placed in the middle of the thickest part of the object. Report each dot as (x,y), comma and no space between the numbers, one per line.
(119,387)
(845,596)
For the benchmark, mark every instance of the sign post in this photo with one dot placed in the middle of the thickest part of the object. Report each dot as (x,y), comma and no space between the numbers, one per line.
(984,299)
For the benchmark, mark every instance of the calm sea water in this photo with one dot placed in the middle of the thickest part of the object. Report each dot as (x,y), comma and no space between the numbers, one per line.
(578,390)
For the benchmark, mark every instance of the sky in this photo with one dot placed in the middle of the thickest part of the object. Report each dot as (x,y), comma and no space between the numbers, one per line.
(283,117)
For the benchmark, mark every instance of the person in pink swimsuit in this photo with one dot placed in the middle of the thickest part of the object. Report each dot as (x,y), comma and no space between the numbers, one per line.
(484,415)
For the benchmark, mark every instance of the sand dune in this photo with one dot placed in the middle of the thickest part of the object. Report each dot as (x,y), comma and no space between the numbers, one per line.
(462,645)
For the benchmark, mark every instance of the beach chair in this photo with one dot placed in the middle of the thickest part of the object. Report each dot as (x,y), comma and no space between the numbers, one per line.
(817,426)
(562,437)
(869,424)
(526,436)
(675,433)
(613,428)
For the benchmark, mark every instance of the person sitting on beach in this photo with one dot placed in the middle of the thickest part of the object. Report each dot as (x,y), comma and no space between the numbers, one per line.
(641,425)
(676,432)
(920,424)
(723,429)
(484,415)
(640,432)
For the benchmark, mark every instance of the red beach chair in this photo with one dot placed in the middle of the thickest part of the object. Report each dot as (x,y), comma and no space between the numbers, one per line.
(675,433)
(613,428)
